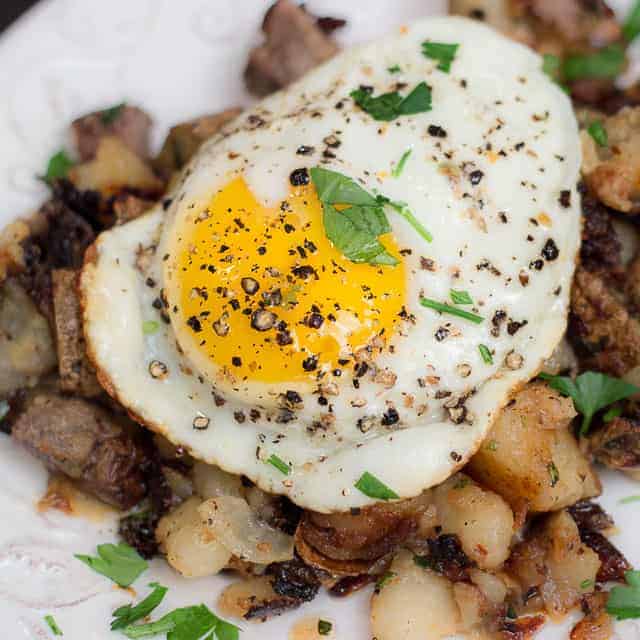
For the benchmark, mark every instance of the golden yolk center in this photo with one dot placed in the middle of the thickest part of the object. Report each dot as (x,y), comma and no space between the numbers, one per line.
(267,297)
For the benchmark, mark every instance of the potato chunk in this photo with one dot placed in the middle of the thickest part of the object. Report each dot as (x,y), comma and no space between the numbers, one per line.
(481,519)
(415,604)
(530,457)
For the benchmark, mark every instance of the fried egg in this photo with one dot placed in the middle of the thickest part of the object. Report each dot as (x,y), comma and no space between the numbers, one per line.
(227,320)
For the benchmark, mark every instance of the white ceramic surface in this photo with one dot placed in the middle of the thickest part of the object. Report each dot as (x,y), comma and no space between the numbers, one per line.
(178,59)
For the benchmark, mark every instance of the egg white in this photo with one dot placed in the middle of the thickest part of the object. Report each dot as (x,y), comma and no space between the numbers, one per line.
(502,117)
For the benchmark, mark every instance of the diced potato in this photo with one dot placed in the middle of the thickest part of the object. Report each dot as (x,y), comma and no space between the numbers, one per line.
(472,604)
(190,546)
(481,519)
(212,482)
(530,456)
(555,561)
(415,604)
(115,167)
(240,597)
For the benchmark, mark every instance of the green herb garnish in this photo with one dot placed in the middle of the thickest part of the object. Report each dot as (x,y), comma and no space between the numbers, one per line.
(149,327)
(399,168)
(492,445)
(389,106)
(631,26)
(485,353)
(629,500)
(384,579)
(605,63)
(591,392)
(597,131)
(624,602)
(110,115)
(279,464)
(554,474)
(187,623)
(461,483)
(324,627)
(612,413)
(58,167)
(460,297)
(422,561)
(118,562)
(127,615)
(373,488)
(444,53)
(4,409)
(551,65)
(402,208)
(454,311)
(394,69)
(53,625)
(587,584)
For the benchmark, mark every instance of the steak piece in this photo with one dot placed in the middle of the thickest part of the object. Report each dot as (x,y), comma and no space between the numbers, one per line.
(86,443)
(295,44)
(130,124)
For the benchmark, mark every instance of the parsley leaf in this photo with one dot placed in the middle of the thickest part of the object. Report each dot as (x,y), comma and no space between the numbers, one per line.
(551,65)
(187,623)
(118,562)
(454,311)
(126,615)
(110,115)
(591,392)
(373,488)
(631,26)
(605,63)
(613,412)
(324,627)
(399,168)
(554,474)
(389,106)
(460,297)
(53,625)
(597,131)
(394,69)
(624,602)
(444,53)
(402,208)
(279,464)
(149,327)
(485,353)
(336,188)
(58,167)
(629,500)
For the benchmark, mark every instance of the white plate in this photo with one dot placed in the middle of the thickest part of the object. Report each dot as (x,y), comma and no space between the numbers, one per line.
(178,59)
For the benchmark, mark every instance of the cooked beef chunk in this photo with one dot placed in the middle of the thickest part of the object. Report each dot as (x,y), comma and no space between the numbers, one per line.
(294,579)
(294,45)
(589,515)
(77,375)
(265,609)
(591,520)
(601,248)
(606,337)
(138,530)
(185,139)
(26,346)
(447,558)
(86,443)
(87,204)
(60,246)
(286,515)
(130,124)
(350,584)
(617,443)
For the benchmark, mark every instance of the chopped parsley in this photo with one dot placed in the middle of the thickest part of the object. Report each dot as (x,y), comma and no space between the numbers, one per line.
(384,579)
(551,65)
(373,488)
(460,297)
(127,614)
(53,625)
(604,63)
(597,131)
(454,311)
(612,413)
(587,584)
(394,69)
(444,53)
(187,623)
(58,167)
(389,106)
(422,561)
(629,499)
(399,168)
(591,392)
(279,464)
(4,409)
(461,483)
(624,602)
(110,115)
(324,627)
(492,445)
(355,229)
(118,562)
(485,353)
(554,474)
(631,26)
(149,327)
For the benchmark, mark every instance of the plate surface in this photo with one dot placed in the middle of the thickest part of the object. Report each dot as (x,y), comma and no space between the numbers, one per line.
(177,60)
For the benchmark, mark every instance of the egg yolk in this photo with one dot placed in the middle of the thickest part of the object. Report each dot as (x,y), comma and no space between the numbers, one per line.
(268,298)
